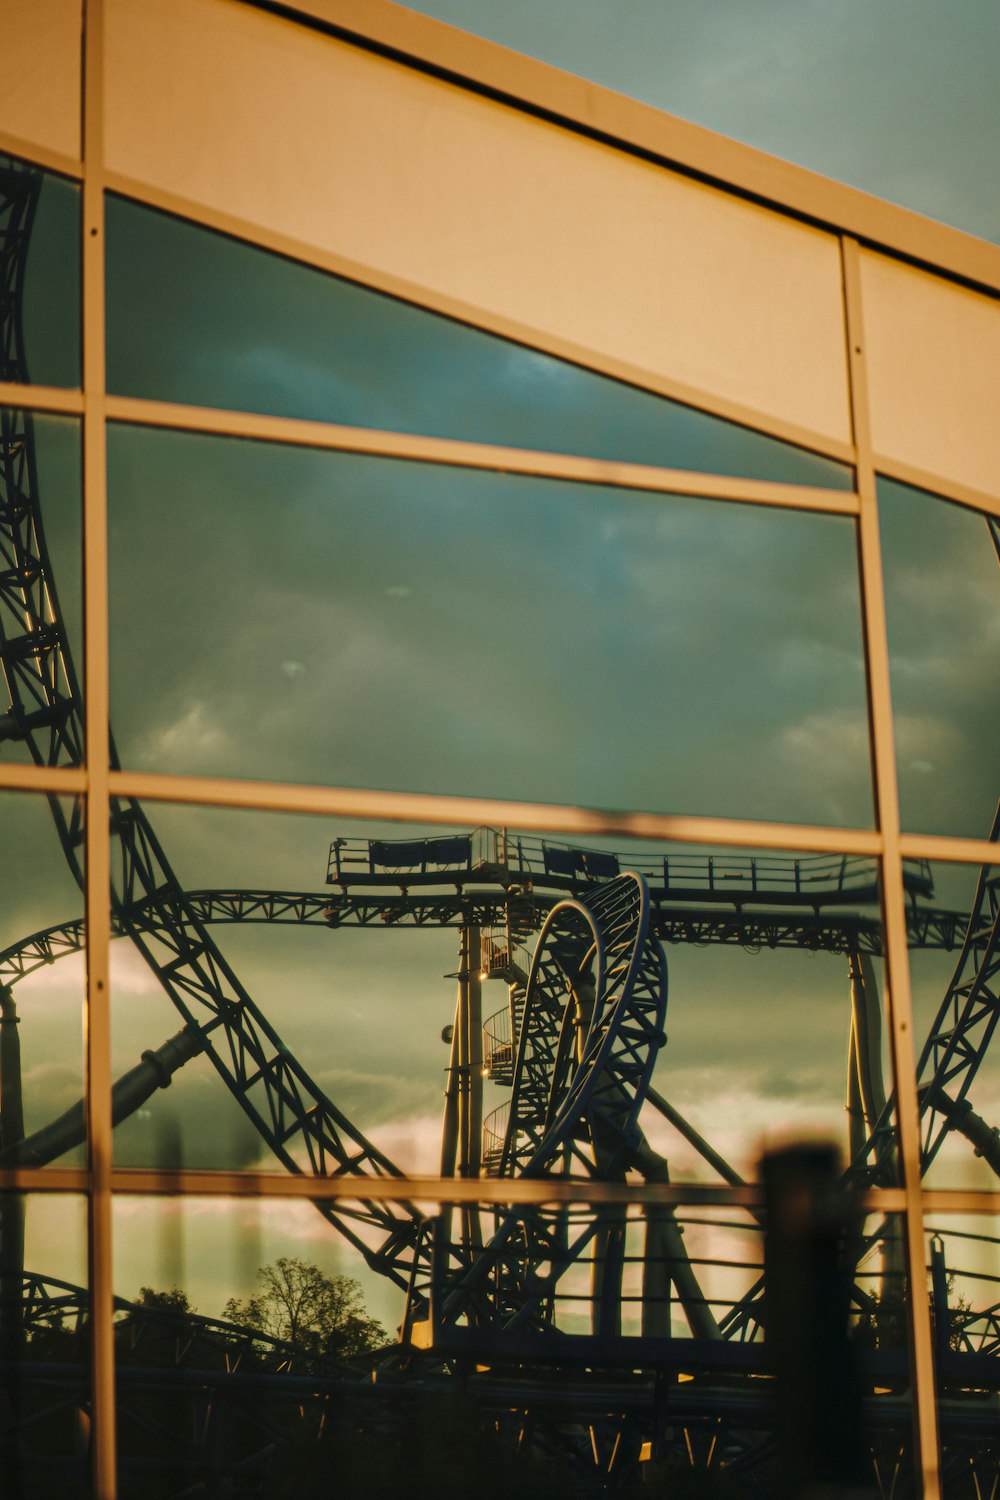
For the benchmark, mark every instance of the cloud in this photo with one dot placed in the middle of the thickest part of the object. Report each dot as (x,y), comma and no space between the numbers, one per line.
(197,737)
(50,1089)
(414,1144)
(380,1099)
(742,1120)
(827,752)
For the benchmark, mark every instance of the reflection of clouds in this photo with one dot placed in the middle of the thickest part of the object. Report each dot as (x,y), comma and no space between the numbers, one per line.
(53,987)
(825,740)
(374,1099)
(957,1164)
(741,1120)
(924,740)
(36,887)
(413,1144)
(942,584)
(197,736)
(826,750)
(50,1006)
(49,1090)
(549,640)
(194,1122)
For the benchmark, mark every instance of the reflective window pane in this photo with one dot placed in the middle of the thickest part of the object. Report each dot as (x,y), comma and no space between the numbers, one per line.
(776,1026)
(879,1319)
(247,1339)
(635,1354)
(40,275)
(44,1347)
(41,634)
(326,996)
(963,1264)
(956,1000)
(942,579)
(42,983)
(196,317)
(303,993)
(314,616)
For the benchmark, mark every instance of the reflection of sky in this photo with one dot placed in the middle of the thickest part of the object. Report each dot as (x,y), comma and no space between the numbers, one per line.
(52,286)
(942,592)
(196,317)
(212,1248)
(365,621)
(36,891)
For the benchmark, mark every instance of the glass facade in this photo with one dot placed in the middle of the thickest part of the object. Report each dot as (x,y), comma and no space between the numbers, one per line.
(518,884)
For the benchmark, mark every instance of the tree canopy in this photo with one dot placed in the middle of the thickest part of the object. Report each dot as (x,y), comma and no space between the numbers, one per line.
(296,1301)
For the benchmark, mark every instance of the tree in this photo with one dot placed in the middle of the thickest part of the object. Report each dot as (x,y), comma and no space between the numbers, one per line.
(323,1315)
(175,1302)
(882,1325)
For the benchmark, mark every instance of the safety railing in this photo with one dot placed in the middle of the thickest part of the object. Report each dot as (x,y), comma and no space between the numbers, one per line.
(495,953)
(498,1046)
(494,1134)
(492,854)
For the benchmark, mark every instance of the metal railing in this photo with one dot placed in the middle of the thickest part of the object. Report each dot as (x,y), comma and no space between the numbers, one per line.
(498,1045)
(491,853)
(494,1134)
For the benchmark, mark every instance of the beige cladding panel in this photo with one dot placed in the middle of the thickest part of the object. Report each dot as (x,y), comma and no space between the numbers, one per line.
(40,43)
(933,352)
(466,199)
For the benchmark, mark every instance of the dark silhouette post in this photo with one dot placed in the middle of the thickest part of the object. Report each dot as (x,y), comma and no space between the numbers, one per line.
(11,1251)
(812,1230)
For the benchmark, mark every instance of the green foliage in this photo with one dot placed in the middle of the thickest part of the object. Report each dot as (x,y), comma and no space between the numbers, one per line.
(324,1316)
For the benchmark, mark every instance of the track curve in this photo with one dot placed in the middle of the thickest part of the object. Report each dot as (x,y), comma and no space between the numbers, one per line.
(578,1090)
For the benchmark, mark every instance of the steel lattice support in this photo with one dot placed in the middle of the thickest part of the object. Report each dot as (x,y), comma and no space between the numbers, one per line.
(965,1023)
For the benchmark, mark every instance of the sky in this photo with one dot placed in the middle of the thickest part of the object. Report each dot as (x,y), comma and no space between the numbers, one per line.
(324,618)
(897,97)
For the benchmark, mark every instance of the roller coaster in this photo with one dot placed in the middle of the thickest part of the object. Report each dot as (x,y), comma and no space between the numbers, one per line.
(511,1301)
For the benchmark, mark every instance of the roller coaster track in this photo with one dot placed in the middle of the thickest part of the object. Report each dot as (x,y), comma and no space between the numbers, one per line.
(959,1035)
(595,1076)
(952,1054)
(967,1018)
(927,927)
(593,1025)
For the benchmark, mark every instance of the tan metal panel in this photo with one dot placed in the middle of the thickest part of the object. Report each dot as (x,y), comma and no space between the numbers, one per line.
(934,373)
(40,97)
(641,127)
(462,196)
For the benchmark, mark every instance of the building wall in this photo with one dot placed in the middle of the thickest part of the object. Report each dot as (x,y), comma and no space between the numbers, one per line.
(446,444)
